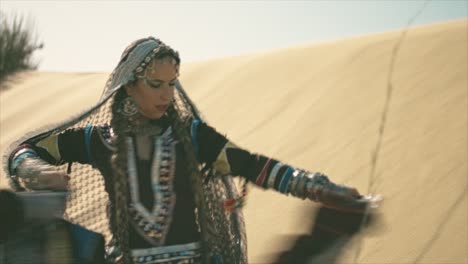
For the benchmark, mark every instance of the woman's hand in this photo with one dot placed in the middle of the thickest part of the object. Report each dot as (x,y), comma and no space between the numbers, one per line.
(54,180)
(340,197)
(36,174)
(347,199)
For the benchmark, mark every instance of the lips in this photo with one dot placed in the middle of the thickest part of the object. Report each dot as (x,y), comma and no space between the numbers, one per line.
(162,108)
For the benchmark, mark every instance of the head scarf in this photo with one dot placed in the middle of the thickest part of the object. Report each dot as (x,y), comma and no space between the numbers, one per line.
(223,233)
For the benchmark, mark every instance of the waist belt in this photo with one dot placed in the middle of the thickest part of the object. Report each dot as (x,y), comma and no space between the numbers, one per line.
(184,253)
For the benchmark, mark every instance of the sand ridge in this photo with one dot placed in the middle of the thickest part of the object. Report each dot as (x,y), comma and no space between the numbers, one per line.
(319,107)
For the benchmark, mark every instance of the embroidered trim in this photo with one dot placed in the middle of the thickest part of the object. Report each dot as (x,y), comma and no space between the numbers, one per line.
(87,134)
(166,249)
(50,144)
(261,176)
(273,174)
(185,253)
(132,171)
(106,134)
(285,180)
(194,130)
(155,225)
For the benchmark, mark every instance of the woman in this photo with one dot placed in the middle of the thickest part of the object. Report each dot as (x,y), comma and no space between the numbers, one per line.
(166,172)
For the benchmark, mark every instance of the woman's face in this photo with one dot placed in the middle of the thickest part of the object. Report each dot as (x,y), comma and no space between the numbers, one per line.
(155,92)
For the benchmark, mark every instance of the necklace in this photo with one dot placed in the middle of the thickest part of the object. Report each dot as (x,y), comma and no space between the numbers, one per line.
(140,127)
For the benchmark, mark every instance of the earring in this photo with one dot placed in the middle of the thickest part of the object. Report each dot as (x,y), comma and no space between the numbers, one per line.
(128,107)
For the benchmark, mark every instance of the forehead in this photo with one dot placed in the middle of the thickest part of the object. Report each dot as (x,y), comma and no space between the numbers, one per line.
(162,69)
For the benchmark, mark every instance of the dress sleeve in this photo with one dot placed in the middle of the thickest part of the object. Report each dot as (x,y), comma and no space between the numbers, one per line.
(228,158)
(72,145)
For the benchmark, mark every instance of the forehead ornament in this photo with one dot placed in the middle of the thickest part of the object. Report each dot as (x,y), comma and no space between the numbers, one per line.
(147,60)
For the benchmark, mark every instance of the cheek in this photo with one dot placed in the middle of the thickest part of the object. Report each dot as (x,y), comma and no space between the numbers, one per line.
(149,98)
(141,97)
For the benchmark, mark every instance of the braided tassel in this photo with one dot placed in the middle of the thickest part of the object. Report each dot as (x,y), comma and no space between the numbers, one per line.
(232,204)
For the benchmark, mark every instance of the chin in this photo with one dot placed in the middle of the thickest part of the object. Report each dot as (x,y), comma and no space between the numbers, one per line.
(153,116)
(156,116)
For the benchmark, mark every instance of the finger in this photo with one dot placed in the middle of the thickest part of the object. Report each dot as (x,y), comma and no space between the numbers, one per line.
(52,175)
(60,183)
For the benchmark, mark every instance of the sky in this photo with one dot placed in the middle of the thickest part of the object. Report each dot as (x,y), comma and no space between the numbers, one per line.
(89,36)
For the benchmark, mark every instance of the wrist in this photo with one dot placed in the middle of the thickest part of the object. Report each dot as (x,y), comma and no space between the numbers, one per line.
(317,186)
(28,172)
(308,185)
(19,156)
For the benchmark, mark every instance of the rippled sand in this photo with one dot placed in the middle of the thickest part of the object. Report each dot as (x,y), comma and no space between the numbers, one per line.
(320,107)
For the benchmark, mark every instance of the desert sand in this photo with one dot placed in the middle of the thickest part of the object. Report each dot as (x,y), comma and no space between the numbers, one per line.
(321,107)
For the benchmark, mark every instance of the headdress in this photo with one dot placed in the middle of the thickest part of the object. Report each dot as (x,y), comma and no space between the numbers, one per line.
(223,232)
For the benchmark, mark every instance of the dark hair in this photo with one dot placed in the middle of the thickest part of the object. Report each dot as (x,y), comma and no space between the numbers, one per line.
(120,124)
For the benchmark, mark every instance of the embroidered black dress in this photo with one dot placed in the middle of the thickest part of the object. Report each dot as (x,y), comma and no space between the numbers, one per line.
(162,205)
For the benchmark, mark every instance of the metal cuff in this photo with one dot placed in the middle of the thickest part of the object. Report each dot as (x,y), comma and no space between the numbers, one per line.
(316,187)
(293,183)
(19,156)
(308,185)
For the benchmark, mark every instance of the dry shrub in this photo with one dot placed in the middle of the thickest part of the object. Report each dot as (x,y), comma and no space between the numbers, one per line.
(18,42)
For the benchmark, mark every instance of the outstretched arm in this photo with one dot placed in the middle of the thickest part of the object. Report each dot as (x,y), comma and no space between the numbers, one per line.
(270,173)
(33,165)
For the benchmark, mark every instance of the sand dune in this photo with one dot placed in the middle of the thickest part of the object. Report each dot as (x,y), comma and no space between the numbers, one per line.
(320,107)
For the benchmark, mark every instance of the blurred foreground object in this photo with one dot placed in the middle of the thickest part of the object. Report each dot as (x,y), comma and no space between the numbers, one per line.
(32,231)
(331,234)
(318,188)
(18,42)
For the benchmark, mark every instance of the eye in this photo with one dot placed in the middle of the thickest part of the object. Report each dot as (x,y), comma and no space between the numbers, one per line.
(172,83)
(153,84)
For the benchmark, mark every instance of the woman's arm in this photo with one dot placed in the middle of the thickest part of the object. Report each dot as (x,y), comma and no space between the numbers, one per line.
(269,173)
(33,164)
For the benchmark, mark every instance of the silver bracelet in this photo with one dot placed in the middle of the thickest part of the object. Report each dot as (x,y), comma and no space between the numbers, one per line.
(28,172)
(298,183)
(19,156)
(294,183)
(316,186)
(308,185)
